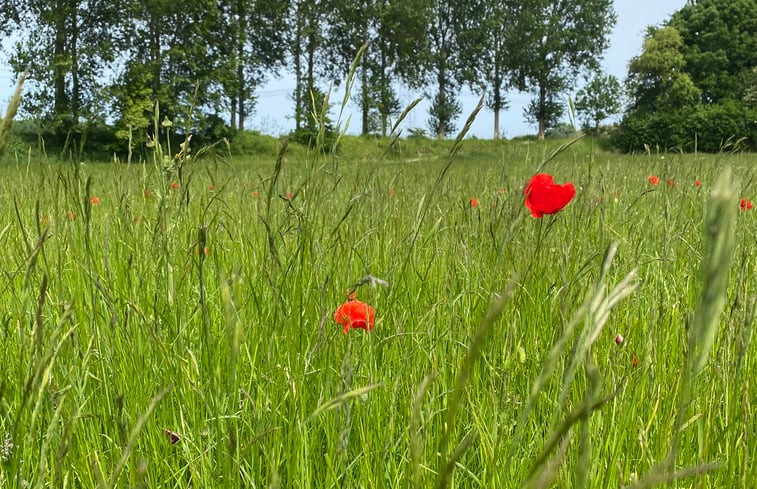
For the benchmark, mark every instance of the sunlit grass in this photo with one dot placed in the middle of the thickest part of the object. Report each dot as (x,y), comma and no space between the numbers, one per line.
(206,311)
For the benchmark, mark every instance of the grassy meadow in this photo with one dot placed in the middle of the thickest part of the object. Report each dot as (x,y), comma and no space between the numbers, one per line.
(174,327)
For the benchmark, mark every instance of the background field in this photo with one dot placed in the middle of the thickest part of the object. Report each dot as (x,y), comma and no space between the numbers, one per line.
(204,313)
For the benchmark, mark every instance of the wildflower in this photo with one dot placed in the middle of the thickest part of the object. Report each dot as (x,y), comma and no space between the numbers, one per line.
(255,194)
(635,362)
(671,183)
(355,314)
(94,200)
(473,202)
(697,183)
(174,185)
(290,195)
(206,250)
(391,192)
(619,339)
(544,196)
(653,179)
(70,215)
(746,205)
(212,187)
(501,191)
(148,193)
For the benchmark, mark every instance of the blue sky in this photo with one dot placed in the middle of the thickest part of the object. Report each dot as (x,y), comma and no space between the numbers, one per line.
(274,106)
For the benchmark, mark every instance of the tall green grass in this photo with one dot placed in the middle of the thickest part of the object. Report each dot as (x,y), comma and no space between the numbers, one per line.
(192,302)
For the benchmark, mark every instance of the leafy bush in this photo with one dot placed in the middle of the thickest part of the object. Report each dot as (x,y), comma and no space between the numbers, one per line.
(253,143)
(704,128)
(561,130)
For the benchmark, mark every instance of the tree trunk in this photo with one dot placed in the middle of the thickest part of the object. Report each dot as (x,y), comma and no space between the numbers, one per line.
(497,107)
(241,41)
(297,53)
(365,103)
(74,55)
(542,109)
(59,70)
(441,131)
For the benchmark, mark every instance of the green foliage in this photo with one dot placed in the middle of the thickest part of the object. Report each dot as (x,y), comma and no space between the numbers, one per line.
(708,128)
(557,40)
(445,108)
(719,45)
(598,100)
(656,78)
(691,85)
(560,131)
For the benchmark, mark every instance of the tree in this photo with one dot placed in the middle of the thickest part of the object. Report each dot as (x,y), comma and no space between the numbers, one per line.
(490,41)
(68,45)
(393,31)
(719,45)
(557,40)
(657,80)
(445,64)
(598,100)
(257,31)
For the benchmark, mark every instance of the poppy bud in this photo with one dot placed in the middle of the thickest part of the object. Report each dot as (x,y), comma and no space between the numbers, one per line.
(619,339)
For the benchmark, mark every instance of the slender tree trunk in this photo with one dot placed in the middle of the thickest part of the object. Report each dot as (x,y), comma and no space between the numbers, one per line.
(241,41)
(365,101)
(59,70)
(155,52)
(497,109)
(442,81)
(297,55)
(542,109)
(74,55)
(385,99)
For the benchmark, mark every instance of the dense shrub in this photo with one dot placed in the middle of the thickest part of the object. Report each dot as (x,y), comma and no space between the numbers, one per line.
(702,128)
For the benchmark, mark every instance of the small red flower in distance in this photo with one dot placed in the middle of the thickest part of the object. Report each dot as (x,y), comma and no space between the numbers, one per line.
(544,196)
(174,185)
(746,205)
(70,215)
(290,195)
(653,179)
(671,183)
(94,200)
(473,202)
(501,191)
(391,192)
(355,314)
(255,194)
(697,183)
(635,361)
(148,193)
(211,187)
(619,339)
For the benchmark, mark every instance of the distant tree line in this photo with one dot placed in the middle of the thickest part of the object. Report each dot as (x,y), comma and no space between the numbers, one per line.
(694,86)
(98,61)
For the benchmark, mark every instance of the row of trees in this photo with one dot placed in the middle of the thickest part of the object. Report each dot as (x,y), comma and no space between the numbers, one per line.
(694,86)
(110,60)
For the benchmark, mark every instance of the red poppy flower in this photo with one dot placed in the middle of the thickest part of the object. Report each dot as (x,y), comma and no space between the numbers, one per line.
(94,200)
(746,205)
(290,195)
(255,194)
(697,183)
(473,202)
(635,362)
(671,183)
(391,192)
(70,215)
(653,179)
(148,193)
(174,185)
(212,187)
(355,314)
(544,196)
